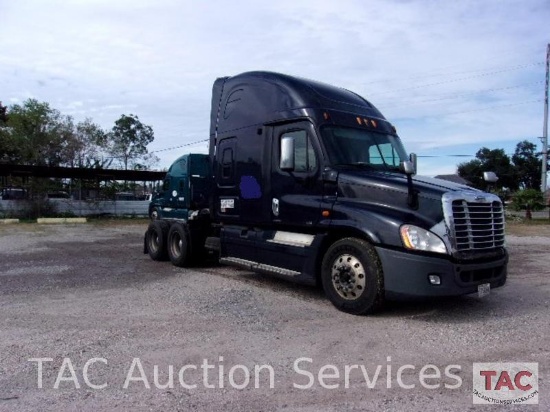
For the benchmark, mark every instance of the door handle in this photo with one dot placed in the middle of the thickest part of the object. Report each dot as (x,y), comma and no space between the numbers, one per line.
(275,206)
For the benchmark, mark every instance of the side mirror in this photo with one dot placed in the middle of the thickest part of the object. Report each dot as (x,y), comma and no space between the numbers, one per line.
(407,167)
(414,160)
(490,177)
(286,163)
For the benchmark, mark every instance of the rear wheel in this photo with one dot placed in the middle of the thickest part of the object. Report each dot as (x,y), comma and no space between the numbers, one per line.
(352,276)
(155,240)
(178,245)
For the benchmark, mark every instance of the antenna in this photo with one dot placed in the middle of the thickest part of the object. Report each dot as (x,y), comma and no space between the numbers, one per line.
(545,125)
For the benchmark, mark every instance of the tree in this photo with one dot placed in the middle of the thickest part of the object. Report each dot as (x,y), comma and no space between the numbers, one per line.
(3,115)
(473,172)
(528,199)
(498,161)
(35,132)
(83,144)
(8,147)
(148,161)
(129,138)
(528,165)
(487,160)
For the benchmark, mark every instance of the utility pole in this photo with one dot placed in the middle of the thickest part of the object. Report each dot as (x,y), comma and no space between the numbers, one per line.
(545,125)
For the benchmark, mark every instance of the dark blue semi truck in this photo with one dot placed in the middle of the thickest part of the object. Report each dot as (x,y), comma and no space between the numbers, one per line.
(310,182)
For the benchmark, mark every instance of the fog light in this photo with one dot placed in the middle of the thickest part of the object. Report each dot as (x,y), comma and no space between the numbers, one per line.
(434,279)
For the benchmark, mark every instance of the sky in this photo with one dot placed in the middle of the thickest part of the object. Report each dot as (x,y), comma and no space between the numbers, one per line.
(452,76)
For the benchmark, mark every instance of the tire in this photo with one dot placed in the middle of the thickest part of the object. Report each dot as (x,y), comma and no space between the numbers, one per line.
(352,276)
(155,239)
(179,250)
(154,214)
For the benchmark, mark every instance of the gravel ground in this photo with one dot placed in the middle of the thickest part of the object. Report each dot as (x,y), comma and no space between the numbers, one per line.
(76,293)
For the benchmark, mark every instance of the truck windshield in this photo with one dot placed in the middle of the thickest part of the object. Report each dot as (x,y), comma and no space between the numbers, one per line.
(347,146)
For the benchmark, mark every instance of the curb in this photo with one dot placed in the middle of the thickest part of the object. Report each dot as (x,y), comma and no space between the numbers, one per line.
(47,220)
(9,221)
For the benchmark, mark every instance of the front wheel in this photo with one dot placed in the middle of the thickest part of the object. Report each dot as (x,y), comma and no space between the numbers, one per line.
(352,276)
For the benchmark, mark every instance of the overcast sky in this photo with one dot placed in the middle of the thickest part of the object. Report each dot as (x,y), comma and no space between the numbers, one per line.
(452,76)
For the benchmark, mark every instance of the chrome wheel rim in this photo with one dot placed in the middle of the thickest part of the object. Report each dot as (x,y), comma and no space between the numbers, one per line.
(348,277)
(177,244)
(154,242)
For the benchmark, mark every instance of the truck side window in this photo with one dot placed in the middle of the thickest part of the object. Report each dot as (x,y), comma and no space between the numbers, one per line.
(304,154)
(166,184)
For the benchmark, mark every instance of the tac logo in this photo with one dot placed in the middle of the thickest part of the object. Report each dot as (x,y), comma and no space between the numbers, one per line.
(506,383)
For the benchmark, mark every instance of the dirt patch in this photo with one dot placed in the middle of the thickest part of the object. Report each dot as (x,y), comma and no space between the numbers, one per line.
(534,228)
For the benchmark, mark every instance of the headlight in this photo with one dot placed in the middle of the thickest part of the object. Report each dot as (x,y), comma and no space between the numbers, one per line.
(416,238)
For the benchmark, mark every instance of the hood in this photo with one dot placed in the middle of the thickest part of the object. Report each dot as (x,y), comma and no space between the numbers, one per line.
(375,190)
(395,183)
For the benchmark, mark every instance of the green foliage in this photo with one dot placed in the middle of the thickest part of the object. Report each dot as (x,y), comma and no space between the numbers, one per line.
(36,134)
(33,133)
(3,114)
(473,172)
(31,209)
(488,160)
(84,144)
(129,138)
(528,199)
(522,171)
(528,165)
(39,207)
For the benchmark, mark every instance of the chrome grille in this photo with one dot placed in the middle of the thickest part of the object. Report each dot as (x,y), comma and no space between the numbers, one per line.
(478,225)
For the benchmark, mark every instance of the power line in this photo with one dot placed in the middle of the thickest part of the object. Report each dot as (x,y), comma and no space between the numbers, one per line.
(449,96)
(482,74)
(444,114)
(448,81)
(447,155)
(496,107)
(489,71)
(180,146)
(482,108)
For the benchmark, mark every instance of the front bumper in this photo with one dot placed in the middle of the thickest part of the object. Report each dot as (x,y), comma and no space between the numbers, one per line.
(406,274)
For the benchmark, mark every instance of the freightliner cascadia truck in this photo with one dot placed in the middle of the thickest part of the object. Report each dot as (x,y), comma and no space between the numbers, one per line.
(310,182)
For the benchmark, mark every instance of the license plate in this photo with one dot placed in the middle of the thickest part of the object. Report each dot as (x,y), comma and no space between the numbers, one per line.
(483,290)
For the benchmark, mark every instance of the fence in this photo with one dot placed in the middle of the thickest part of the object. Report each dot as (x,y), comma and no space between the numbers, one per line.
(10,208)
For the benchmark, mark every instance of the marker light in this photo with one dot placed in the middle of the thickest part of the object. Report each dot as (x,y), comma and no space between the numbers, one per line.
(416,238)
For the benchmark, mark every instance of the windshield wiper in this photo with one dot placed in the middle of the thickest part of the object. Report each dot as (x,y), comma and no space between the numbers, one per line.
(369,166)
(362,165)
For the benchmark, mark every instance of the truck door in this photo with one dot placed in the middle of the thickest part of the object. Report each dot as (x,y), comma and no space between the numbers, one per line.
(296,196)
(176,190)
